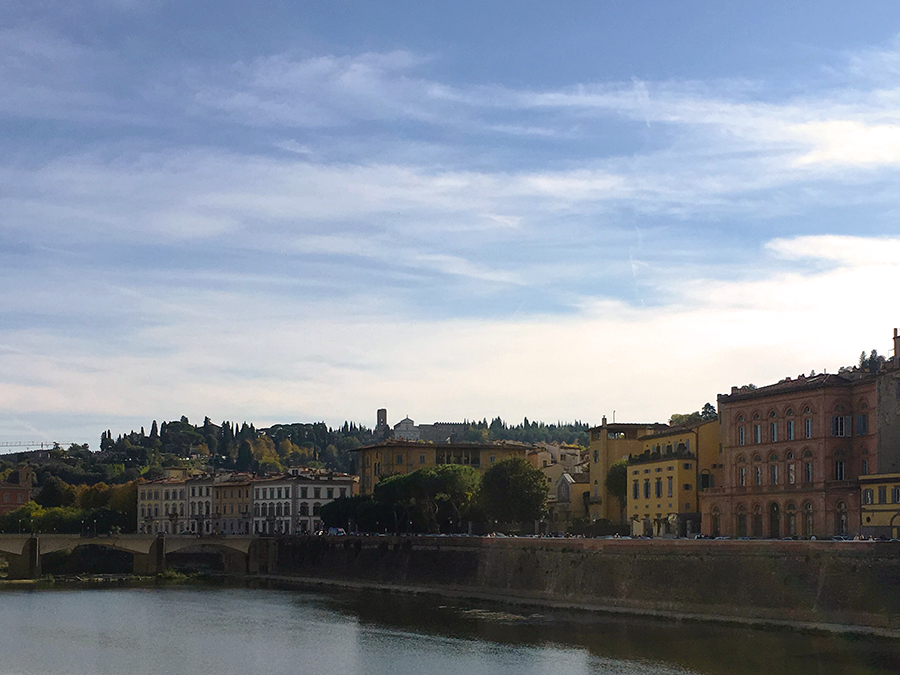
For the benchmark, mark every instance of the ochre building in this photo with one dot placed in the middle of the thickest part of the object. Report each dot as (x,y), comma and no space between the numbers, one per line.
(610,442)
(391,457)
(665,480)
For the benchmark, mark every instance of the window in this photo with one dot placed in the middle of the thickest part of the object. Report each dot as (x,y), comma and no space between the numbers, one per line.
(791,474)
(329,493)
(421,459)
(882,494)
(841,425)
(303,492)
(773,474)
(807,427)
(742,476)
(790,430)
(687,465)
(279,493)
(740,435)
(757,475)
(670,486)
(839,473)
(646,488)
(841,519)
(895,495)
(317,492)
(862,424)
(399,459)
(868,497)
(658,490)
(807,519)
(773,432)
(757,433)
(635,490)
(864,468)
(687,487)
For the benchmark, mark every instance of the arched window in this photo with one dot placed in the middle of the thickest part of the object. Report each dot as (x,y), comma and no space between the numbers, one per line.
(278,509)
(304,509)
(791,519)
(808,530)
(317,507)
(841,520)
(789,412)
(774,521)
(757,521)
(741,521)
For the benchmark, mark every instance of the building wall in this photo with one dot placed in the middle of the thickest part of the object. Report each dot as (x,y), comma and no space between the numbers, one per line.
(880,505)
(233,506)
(162,507)
(888,421)
(805,485)
(610,442)
(393,457)
(13,496)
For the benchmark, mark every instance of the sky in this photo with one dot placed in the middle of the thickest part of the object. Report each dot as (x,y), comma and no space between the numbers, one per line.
(305,211)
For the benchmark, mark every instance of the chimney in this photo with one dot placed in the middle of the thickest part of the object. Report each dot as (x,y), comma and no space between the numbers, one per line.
(603,421)
(896,348)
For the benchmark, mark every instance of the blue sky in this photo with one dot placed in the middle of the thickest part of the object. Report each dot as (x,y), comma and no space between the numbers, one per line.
(302,211)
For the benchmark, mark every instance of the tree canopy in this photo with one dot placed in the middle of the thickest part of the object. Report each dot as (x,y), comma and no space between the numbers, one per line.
(513,491)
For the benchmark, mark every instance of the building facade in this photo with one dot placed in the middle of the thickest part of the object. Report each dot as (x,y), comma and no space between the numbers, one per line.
(162,506)
(232,504)
(666,479)
(390,457)
(793,453)
(608,443)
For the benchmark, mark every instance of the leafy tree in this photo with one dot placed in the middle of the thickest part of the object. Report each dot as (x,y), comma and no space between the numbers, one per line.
(709,412)
(871,363)
(617,484)
(513,491)
(56,492)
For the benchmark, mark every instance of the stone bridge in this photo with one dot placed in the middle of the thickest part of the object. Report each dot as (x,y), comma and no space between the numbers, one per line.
(242,554)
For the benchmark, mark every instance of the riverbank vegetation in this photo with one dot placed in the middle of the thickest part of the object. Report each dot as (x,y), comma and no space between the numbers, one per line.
(445,499)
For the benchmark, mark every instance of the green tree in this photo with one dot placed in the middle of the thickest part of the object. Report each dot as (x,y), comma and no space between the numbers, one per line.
(513,491)
(56,492)
(617,484)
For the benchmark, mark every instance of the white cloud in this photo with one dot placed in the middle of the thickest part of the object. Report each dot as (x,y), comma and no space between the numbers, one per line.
(243,355)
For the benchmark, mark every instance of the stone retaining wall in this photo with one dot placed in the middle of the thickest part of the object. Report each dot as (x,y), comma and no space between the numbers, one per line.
(854,583)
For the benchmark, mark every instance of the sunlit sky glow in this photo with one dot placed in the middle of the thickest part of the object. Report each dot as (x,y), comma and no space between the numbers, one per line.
(303,211)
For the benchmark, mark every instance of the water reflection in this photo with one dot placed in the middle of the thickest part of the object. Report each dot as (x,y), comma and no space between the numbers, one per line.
(246,631)
(690,646)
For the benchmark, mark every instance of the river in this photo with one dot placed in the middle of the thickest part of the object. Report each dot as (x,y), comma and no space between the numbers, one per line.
(243,631)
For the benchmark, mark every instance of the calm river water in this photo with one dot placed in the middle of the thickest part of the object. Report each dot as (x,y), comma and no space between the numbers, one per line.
(245,631)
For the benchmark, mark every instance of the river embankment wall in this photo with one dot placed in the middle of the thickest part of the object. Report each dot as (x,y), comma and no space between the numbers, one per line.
(802,582)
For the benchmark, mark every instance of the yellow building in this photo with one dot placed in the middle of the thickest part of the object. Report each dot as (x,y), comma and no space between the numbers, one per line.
(232,504)
(393,457)
(666,478)
(880,505)
(608,443)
